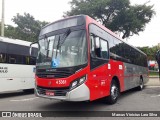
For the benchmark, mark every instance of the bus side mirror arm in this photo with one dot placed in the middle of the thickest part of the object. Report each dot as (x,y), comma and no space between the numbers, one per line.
(30,49)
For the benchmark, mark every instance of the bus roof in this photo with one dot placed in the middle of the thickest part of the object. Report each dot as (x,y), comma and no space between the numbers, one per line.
(91,20)
(66,18)
(16,41)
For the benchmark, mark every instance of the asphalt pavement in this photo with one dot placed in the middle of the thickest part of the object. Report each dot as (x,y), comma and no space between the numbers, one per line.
(146,100)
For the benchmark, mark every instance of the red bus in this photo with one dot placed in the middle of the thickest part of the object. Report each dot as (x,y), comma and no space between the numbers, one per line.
(81,60)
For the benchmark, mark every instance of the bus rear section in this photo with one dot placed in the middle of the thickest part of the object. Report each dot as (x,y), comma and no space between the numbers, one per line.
(16,65)
(76,62)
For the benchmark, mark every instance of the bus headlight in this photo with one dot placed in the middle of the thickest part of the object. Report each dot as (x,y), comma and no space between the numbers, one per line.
(74,84)
(78,82)
(81,80)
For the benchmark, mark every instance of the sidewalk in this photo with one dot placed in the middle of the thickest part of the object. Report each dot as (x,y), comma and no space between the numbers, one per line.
(153,81)
(153,76)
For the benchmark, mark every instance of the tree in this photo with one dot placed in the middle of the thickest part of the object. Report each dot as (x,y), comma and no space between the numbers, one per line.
(149,51)
(27,27)
(9,31)
(117,15)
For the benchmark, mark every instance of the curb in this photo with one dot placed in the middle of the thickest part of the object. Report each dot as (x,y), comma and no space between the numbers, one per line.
(153,76)
(152,86)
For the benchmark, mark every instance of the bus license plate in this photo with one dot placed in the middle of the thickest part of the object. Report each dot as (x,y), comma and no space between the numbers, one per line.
(50,93)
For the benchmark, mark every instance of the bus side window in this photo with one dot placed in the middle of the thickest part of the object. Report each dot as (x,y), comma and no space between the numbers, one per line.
(97,47)
(92,47)
(27,60)
(104,49)
(3,58)
(32,60)
(12,60)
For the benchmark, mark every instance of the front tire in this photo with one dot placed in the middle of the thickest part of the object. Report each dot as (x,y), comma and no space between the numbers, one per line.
(114,93)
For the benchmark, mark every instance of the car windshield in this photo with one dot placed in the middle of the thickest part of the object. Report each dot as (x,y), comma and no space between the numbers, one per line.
(63,50)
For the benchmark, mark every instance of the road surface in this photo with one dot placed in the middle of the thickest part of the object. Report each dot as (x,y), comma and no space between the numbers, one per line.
(146,100)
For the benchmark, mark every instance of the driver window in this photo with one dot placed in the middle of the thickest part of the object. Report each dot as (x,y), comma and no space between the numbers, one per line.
(99,47)
(104,49)
(92,47)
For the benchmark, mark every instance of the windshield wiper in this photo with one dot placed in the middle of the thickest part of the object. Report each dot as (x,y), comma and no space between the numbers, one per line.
(57,46)
(64,37)
(47,47)
(61,40)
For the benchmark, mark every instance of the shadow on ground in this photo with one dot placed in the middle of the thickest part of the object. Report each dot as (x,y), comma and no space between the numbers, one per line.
(96,105)
(15,94)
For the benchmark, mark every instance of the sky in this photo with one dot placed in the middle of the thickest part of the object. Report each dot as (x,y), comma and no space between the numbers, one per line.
(51,10)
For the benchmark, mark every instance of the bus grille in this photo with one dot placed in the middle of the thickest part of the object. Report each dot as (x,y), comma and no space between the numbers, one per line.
(43,73)
(57,91)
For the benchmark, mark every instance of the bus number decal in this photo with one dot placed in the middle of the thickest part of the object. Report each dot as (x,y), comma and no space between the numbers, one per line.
(61,82)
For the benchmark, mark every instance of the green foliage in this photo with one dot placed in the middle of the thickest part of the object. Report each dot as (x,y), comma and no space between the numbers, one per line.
(10,31)
(117,15)
(149,51)
(153,73)
(27,28)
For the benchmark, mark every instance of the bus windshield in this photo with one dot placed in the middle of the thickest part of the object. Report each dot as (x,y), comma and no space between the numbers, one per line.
(63,50)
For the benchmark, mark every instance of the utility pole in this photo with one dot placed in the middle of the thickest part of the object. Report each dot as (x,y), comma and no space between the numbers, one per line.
(2,20)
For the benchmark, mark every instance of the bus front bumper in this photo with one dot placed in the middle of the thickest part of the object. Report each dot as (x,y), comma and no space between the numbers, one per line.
(81,93)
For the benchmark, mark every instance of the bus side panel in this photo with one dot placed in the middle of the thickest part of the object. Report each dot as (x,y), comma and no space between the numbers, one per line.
(100,78)
(129,80)
(132,75)
(9,85)
(117,70)
(97,80)
(16,77)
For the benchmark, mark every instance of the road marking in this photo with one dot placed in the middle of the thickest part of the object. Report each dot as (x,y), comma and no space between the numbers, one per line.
(155,96)
(28,99)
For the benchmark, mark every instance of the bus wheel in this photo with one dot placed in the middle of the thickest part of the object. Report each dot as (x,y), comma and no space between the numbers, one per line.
(114,93)
(141,84)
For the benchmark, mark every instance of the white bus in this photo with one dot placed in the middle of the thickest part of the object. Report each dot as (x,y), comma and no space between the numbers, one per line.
(16,65)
